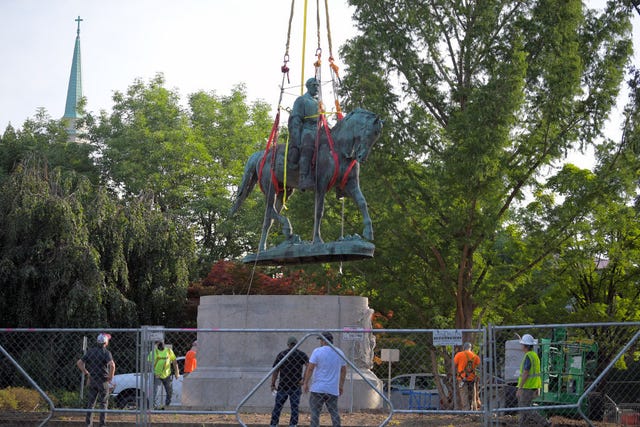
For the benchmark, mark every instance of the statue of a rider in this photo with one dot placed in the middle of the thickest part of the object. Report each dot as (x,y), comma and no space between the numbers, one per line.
(303,125)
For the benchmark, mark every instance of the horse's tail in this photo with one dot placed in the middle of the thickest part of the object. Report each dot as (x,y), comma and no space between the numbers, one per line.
(249,180)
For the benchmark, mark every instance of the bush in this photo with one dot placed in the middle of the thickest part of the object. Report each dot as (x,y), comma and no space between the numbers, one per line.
(20,399)
(8,401)
(69,399)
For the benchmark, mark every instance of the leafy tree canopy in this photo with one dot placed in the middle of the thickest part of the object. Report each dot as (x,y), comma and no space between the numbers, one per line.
(482,100)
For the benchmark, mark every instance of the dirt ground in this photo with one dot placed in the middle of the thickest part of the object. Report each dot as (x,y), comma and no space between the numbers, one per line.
(375,419)
(361,419)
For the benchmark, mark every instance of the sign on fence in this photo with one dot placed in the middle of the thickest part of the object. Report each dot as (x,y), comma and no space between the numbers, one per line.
(390,355)
(352,333)
(153,333)
(447,337)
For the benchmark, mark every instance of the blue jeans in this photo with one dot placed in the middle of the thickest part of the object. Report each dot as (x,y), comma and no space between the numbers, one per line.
(168,388)
(98,392)
(316,401)
(294,401)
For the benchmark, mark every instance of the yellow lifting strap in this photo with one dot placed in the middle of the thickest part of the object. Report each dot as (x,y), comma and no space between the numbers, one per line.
(304,45)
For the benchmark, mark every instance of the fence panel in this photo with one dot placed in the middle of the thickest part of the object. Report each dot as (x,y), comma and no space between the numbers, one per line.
(582,370)
(589,374)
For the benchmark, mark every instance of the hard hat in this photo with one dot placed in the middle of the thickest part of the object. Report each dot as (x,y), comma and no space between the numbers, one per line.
(103,338)
(528,340)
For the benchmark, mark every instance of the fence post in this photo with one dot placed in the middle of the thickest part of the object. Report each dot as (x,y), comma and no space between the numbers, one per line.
(33,384)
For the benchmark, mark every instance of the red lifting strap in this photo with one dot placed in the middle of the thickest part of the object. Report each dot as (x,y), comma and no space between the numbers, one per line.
(345,177)
(336,170)
(273,139)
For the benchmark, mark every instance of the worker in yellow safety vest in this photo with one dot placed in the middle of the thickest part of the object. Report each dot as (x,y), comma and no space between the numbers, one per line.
(529,384)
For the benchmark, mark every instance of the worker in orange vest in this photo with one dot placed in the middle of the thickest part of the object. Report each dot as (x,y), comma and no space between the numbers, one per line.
(467,362)
(190,361)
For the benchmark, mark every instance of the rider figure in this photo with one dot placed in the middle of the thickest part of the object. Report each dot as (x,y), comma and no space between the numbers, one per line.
(303,125)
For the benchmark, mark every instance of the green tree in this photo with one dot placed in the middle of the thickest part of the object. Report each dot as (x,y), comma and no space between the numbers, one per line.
(594,275)
(187,161)
(148,146)
(482,100)
(74,257)
(231,129)
(159,253)
(47,139)
(594,269)
(49,273)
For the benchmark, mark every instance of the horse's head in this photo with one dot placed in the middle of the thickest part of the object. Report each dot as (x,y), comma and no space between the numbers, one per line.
(356,133)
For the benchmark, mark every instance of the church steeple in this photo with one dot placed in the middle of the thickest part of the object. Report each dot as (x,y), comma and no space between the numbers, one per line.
(74,92)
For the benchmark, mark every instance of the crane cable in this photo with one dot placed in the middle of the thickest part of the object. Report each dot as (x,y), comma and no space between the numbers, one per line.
(332,65)
(285,71)
(318,63)
(334,76)
(273,137)
(318,75)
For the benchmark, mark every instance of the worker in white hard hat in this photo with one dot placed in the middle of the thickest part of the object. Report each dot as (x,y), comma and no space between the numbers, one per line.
(99,368)
(529,384)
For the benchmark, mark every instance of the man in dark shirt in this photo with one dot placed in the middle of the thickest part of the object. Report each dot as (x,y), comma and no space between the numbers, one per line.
(97,364)
(291,374)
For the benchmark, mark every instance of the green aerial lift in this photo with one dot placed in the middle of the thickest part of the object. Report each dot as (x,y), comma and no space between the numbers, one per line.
(568,366)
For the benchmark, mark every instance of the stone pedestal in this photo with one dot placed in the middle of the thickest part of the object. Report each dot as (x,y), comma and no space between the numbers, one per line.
(232,364)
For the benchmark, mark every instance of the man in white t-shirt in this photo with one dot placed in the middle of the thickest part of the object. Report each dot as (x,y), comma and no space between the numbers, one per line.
(325,380)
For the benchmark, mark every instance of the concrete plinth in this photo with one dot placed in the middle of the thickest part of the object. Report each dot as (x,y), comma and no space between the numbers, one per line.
(232,364)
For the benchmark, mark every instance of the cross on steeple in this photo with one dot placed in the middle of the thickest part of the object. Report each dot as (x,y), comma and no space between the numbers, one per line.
(78,20)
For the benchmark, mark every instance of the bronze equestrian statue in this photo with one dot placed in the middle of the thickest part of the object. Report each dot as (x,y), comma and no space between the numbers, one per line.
(337,165)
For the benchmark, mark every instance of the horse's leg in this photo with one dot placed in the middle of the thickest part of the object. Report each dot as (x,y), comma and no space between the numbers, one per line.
(353,190)
(318,213)
(269,215)
(287,230)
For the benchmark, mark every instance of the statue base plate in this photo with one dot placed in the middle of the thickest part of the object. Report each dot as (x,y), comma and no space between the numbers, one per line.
(295,251)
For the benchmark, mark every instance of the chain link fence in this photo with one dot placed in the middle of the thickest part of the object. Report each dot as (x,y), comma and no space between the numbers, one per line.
(590,374)
(588,371)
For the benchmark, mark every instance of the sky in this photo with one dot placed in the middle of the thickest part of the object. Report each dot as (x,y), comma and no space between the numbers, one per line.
(210,45)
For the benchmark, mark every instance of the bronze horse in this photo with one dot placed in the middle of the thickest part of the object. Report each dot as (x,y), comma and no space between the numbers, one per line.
(352,138)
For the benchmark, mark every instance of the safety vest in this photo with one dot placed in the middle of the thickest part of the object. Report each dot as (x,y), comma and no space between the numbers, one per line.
(534,380)
(161,360)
